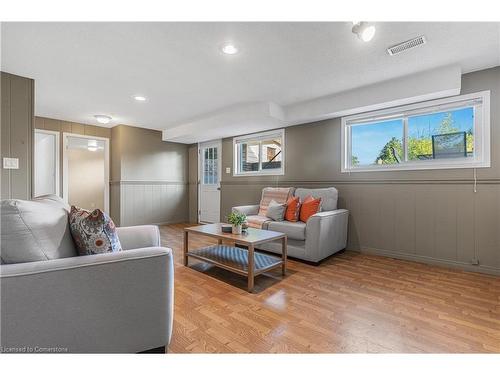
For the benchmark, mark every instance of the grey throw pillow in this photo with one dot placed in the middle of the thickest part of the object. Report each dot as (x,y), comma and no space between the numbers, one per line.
(276,211)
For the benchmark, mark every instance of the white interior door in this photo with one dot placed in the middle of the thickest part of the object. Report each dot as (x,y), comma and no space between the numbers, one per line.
(46,162)
(209,181)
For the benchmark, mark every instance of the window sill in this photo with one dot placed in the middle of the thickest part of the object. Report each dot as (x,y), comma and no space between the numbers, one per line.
(413,167)
(251,174)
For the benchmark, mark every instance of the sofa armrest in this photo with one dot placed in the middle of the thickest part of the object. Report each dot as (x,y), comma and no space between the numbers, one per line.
(139,236)
(247,210)
(113,302)
(326,233)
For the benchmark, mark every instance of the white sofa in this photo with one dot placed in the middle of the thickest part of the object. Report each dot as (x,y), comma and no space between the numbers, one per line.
(324,234)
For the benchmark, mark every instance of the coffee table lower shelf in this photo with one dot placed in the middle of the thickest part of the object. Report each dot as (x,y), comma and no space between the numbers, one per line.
(235,259)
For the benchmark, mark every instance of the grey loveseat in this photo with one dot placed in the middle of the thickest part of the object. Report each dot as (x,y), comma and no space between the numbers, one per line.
(324,234)
(55,301)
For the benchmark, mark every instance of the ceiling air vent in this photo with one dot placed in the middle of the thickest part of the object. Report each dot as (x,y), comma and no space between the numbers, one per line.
(412,43)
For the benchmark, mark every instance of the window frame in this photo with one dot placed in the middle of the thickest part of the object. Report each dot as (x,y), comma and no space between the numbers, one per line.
(259,137)
(481,158)
(214,147)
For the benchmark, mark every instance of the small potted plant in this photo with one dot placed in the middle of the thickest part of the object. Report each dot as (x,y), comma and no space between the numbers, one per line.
(236,219)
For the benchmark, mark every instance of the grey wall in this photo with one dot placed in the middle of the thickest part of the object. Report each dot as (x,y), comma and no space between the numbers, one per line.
(149,177)
(432,216)
(17,117)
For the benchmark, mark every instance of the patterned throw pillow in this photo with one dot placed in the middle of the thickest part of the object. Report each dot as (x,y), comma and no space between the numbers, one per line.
(93,232)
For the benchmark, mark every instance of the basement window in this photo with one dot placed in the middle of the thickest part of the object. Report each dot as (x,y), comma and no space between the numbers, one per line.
(441,134)
(259,154)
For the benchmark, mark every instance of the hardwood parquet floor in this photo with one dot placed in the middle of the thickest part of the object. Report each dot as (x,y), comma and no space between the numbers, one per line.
(351,302)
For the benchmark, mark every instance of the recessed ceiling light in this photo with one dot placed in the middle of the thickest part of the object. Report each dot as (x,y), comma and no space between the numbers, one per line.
(140,98)
(103,119)
(229,49)
(364,31)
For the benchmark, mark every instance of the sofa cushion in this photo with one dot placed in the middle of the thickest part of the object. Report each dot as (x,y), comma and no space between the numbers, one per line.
(94,232)
(257,221)
(276,211)
(328,196)
(293,230)
(35,230)
(280,195)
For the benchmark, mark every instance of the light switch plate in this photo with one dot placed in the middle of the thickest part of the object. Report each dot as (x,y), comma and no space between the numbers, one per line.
(228,170)
(10,163)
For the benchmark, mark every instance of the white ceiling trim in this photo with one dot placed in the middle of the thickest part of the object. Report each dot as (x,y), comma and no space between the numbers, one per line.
(254,117)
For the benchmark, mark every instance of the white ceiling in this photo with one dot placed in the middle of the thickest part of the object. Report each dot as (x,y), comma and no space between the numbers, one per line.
(83,69)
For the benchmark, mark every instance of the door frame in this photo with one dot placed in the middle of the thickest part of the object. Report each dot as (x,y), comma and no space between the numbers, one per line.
(218,143)
(106,166)
(57,157)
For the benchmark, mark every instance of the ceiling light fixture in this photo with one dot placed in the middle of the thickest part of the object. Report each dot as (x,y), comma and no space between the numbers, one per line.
(229,49)
(364,31)
(103,119)
(140,98)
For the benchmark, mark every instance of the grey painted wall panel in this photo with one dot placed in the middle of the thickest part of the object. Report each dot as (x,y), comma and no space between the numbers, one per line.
(5,135)
(17,122)
(425,221)
(465,224)
(115,154)
(152,203)
(150,176)
(386,226)
(115,203)
(21,135)
(445,233)
(405,220)
(487,225)
(144,156)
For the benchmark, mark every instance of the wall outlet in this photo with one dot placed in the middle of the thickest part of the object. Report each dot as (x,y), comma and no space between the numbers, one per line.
(10,163)
(475,262)
(228,170)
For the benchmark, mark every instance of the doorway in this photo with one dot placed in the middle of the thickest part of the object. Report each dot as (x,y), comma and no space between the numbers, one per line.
(46,163)
(86,171)
(209,162)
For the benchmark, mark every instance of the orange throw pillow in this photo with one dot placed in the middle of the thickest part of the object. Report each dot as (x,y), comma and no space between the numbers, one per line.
(309,207)
(292,209)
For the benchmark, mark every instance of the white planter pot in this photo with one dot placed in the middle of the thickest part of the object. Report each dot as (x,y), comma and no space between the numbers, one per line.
(236,229)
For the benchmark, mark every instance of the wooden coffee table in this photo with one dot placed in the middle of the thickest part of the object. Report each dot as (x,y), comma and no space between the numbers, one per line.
(246,262)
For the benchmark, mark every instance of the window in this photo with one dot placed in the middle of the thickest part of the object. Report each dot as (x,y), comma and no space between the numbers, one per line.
(259,154)
(210,166)
(446,133)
